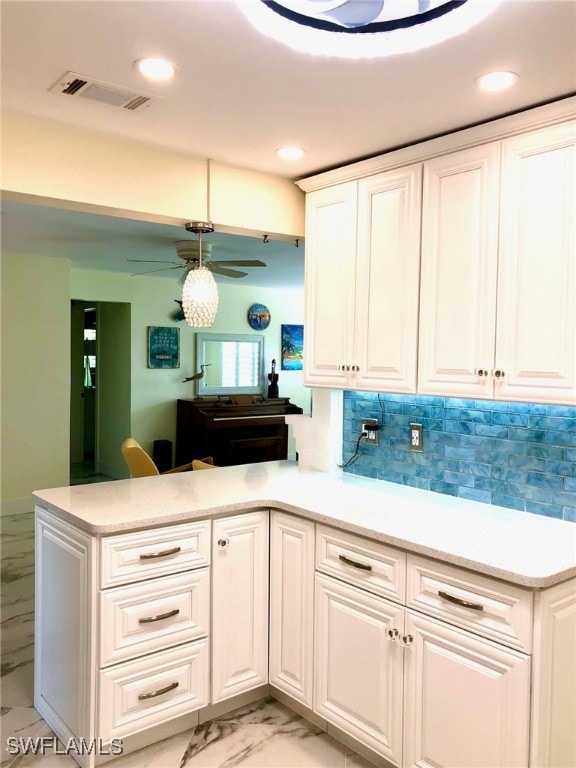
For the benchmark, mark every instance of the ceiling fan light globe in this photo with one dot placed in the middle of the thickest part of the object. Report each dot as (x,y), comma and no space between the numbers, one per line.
(200,298)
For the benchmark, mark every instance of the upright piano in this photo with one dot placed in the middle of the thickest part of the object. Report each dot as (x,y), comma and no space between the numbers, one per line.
(233,429)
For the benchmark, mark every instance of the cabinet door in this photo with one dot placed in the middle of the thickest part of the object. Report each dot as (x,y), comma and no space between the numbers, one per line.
(358,668)
(536,334)
(292,605)
(458,275)
(387,281)
(467,700)
(329,285)
(239,604)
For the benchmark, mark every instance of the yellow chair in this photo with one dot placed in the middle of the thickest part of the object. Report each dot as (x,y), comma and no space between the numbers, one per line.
(205,463)
(140,464)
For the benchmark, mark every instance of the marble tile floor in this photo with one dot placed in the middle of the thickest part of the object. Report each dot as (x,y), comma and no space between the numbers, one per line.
(263,735)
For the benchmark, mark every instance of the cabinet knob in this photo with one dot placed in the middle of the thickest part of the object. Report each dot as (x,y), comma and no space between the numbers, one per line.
(406,640)
(481,372)
(223,543)
(392,634)
(499,373)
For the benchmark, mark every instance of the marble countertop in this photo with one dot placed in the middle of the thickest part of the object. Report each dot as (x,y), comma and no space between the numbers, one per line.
(518,547)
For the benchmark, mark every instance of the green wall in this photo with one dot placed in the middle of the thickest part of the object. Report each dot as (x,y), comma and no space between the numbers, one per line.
(35,338)
(35,380)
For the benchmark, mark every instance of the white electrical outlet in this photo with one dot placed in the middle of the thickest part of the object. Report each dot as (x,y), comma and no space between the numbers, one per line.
(416,439)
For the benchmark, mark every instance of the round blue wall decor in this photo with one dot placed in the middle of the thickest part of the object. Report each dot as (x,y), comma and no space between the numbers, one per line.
(258,317)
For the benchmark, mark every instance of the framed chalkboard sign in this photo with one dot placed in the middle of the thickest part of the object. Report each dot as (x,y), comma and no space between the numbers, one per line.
(163,347)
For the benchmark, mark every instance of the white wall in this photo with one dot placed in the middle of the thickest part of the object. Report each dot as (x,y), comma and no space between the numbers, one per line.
(87,171)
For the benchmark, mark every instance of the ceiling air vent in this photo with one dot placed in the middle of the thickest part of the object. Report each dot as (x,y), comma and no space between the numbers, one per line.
(73,84)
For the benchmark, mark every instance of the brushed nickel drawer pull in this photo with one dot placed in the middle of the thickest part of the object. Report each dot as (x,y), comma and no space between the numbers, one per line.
(354,564)
(459,601)
(164,553)
(159,692)
(167,615)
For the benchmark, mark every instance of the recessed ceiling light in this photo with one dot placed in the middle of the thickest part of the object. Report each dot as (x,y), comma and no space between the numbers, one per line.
(159,70)
(493,82)
(290,153)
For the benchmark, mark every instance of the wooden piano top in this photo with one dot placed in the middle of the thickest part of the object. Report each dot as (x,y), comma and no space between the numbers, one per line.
(241,406)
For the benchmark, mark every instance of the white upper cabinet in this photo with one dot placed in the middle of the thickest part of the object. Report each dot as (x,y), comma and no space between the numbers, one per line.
(330,283)
(458,274)
(449,267)
(388,264)
(362,244)
(498,306)
(536,332)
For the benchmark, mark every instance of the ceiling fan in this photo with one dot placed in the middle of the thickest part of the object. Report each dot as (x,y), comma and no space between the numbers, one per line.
(195,253)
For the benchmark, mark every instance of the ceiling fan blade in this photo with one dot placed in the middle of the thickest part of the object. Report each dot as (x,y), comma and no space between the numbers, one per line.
(153,261)
(240,263)
(225,271)
(150,271)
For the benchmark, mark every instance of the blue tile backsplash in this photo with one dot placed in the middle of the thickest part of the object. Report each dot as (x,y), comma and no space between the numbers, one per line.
(517,455)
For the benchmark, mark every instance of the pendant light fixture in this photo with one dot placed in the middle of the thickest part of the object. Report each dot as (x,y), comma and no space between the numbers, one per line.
(200,292)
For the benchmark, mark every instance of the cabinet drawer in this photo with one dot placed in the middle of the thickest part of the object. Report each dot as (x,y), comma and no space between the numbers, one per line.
(143,693)
(157,552)
(365,563)
(486,606)
(152,615)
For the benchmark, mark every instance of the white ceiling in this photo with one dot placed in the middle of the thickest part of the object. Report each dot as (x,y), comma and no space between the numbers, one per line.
(239,96)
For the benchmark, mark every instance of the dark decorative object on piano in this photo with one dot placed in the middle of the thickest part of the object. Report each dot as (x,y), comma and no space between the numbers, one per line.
(273,379)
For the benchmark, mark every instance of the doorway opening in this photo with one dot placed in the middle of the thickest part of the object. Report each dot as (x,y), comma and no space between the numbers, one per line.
(99,389)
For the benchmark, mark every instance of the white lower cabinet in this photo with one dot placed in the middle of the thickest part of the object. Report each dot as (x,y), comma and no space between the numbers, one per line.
(433,666)
(466,699)
(122,632)
(239,604)
(358,666)
(422,663)
(147,691)
(292,605)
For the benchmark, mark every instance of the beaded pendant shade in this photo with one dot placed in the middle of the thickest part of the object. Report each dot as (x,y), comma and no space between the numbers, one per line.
(200,297)
(200,292)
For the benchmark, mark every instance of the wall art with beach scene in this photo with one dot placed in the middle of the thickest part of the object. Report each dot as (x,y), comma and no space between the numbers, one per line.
(292,345)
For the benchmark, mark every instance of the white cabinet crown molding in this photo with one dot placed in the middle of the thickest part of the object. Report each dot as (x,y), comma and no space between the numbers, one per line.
(494,130)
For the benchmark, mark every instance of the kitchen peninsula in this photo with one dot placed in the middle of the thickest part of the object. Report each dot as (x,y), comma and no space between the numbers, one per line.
(411,625)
